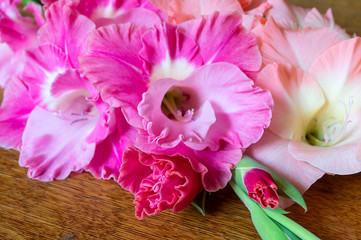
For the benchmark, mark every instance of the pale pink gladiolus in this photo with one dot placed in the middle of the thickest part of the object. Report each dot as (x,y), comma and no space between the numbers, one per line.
(317,106)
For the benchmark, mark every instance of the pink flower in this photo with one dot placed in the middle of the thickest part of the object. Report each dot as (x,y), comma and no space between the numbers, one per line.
(315,86)
(106,12)
(292,17)
(182,11)
(172,53)
(261,187)
(158,182)
(63,125)
(14,112)
(17,33)
(140,70)
(212,106)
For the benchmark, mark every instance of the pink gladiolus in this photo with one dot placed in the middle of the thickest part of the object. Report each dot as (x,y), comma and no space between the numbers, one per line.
(102,13)
(261,187)
(158,182)
(317,105)
(292,17)
(17,33)
(62,125)
(213,105)
(182,11)
(147,66)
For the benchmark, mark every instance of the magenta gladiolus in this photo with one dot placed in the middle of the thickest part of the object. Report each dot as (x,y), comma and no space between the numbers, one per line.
(158,182)
(261,187)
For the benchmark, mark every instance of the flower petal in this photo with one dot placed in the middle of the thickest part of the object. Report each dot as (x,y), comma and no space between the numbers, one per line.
(108,153)
(71,35)
(338,71)
(242,111)
(272,151)
(297,99)
(214,166)
(221,38)
(168,132)
(167,53)
(10,63)
(14,112)
(298,48)
(54,147)
(179,11)
(339,159)
(51,84)
(111,63)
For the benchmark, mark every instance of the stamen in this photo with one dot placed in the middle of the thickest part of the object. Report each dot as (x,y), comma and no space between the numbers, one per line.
(78,120)
(172,103)
(335,132)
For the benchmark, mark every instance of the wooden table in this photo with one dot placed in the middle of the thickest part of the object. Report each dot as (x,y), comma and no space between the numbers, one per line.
(82,207)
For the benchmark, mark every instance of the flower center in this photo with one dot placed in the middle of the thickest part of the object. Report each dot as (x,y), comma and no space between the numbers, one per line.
(325,130)
(179,104)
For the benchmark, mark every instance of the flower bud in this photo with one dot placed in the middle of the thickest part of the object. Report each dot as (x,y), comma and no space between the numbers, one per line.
(261,187)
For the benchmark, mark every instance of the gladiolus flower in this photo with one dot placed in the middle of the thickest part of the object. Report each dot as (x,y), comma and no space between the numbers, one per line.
(158,182)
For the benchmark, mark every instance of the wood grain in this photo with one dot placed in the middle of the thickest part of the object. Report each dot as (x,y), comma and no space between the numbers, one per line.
(82,207)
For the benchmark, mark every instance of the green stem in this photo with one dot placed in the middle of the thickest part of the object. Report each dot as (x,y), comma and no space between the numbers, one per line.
(241,194)
(292,226)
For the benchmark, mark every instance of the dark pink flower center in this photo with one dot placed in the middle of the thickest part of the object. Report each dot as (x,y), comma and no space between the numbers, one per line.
(180,104)
(261,187)
(266,195)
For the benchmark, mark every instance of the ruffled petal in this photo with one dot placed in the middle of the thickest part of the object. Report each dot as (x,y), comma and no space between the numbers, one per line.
(214,166)
(131,164)
(54,147)
(168,132)
(273,152)
(242,111)
(14,112)
(111,63)
(71,35)
(221,38)
(297,99)
(167,53)
(298,48)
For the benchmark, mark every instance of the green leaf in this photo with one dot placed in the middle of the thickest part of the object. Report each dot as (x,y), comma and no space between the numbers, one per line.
(266,228)
(25,2)
(286,187)
(278,210)
(200,202)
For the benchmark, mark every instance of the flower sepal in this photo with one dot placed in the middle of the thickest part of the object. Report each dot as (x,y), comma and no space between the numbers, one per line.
(258,189)
(200,202)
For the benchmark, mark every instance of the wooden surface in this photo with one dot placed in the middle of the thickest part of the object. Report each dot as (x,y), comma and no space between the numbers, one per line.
(81,207)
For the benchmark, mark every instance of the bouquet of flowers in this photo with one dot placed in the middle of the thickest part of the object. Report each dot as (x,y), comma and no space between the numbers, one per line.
(174,99)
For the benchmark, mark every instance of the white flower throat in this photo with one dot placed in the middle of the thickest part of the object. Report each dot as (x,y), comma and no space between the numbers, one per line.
(327,128)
